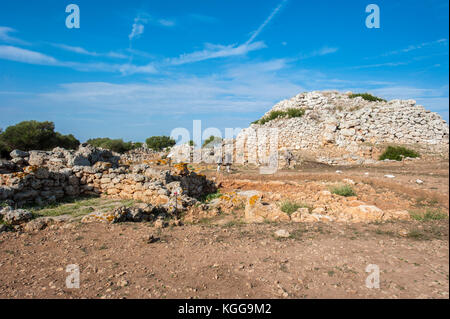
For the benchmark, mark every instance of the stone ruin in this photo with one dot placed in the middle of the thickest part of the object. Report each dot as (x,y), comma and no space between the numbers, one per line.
(38,178)
(337,130)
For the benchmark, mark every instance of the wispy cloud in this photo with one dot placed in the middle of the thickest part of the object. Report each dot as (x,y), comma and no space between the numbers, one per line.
(83,51)
(417,47)
(26,56)
(237,88)
(378,65)
(213,51)
(16,54)
(321,52)
(166,22)
(266,22)
(144,18)
(5,37)
(138,28)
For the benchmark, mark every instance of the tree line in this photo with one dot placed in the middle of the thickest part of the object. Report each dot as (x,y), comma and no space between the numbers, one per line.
(34,135)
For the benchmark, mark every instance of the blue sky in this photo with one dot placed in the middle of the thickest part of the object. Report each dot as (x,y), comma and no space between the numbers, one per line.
(140,68)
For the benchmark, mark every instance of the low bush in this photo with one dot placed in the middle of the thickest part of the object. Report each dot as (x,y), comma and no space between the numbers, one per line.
(117,145)
(213,140)
(396,153)
(367,97)
(158,143)
(289,113)
(344,190)
(210,197)
(289,207)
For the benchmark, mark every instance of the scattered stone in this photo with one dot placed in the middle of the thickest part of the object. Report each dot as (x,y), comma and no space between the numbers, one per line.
(150,239)
(419,181)
(389,176)
(282,233)
(122,283)
(35,225)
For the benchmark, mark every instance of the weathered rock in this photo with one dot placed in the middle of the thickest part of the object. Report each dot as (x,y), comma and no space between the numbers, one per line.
(19,154)
(282,233)
(17,217)
(35,225)
(115,216)
(363,213)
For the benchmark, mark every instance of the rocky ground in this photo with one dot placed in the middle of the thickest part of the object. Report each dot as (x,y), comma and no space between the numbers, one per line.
(223,257)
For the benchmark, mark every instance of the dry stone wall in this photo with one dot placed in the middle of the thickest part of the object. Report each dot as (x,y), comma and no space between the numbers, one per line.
(53,175)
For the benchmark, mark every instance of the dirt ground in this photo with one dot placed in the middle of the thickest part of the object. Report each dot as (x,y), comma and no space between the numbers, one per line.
(231,259)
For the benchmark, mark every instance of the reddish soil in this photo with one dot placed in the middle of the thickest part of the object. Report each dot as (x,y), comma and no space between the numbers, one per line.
(217,260)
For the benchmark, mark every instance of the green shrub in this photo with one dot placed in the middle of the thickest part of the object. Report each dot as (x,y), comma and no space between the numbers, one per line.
(344,190)
(295,112)
(158,143)
(210,197)
(289,113)
(429,215)
(66,141)
(117,145)
(367,97)
(396,152)
(211,139)
(289,207)
(3,150)
(34,135)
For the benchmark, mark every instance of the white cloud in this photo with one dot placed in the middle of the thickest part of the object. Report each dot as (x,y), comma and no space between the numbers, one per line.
(417,47)
(16,54)
(137,28)
(255,88)
(269,18)
(144,18)
(377,65)
(213,51)
(83,51)
(4,36)
(323,51)
(26,56)
(166,22)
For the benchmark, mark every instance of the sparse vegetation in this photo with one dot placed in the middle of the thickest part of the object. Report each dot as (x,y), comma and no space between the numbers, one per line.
(397,153)
(117,145)
(289,113)
(344,190)
(429,215)
(211,139)
(367,97)
(210,197)
(158,143)
(79,207)
(289,207)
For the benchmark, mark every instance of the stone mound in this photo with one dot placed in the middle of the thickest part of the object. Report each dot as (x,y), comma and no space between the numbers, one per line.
(337,128)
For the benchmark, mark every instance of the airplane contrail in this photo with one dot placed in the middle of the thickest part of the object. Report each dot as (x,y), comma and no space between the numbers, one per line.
(261,27)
